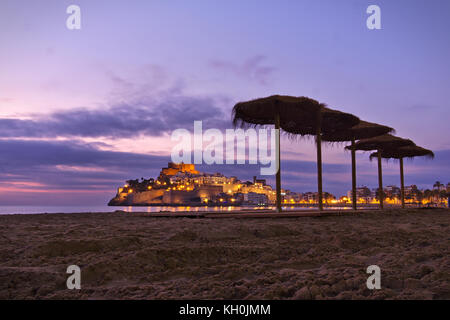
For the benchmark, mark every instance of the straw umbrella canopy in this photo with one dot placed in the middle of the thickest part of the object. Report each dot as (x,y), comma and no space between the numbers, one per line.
(400,153)
(274,110)
(326,122)
(386,141)
(363,130)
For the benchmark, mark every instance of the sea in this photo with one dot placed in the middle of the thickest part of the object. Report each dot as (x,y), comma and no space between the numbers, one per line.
(30,209)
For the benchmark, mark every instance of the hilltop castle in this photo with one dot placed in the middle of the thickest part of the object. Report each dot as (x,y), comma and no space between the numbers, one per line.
(182,184)
(174,168)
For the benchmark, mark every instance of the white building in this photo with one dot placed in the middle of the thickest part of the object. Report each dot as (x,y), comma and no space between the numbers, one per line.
(255,198)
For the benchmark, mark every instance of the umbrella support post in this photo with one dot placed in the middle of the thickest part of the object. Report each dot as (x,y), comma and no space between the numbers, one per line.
(319,168)
(380,180)
(354,200)
(278,175)
(402,183)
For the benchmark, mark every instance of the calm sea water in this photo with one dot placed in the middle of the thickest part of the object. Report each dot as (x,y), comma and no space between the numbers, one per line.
(72,209)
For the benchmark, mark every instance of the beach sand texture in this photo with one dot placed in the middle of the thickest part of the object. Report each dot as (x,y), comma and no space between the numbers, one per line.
(127,256)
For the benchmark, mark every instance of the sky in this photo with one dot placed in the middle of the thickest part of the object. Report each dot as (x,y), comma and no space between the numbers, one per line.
(81,111)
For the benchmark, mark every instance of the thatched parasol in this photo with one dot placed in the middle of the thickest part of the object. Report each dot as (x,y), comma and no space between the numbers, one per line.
(327,121)
(404,152)
(400,153)
(275,110)
(263,111)
(386,141)
(363,130)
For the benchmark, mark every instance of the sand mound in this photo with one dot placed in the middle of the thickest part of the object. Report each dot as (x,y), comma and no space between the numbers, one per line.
(133,257)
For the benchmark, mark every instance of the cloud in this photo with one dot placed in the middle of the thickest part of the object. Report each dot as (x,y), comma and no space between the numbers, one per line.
(421,107)
(143,116)
(145,81)
(251,69)
(70,165)
(39,170)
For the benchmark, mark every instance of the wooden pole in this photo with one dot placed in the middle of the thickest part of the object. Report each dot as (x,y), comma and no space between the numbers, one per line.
(353,175)
(319,160)
(380,180)
(402,183)
(278,175)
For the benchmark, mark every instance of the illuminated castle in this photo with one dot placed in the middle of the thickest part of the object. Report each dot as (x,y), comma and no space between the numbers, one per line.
(174,168)
(181,183)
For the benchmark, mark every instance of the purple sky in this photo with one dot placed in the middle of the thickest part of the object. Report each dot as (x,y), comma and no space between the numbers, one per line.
(83,110)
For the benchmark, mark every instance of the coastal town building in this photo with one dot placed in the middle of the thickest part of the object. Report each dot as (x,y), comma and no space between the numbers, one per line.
(392,194)
(254,198)
(182,184)
(363,195)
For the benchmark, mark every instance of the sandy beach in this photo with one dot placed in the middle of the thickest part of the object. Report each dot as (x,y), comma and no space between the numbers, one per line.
(129,256)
